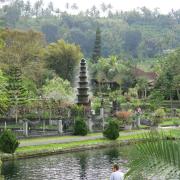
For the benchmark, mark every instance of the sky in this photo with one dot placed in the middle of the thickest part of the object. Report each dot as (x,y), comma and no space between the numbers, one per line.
(164,5)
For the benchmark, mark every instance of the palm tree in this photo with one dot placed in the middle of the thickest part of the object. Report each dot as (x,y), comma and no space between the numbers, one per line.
(74,6)
(104,7)
(142,86)
(158,156)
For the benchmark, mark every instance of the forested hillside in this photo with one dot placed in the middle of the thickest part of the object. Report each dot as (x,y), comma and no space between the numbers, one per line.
(140,33)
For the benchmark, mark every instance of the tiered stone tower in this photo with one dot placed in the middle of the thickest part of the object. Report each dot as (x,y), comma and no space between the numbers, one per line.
(83,96)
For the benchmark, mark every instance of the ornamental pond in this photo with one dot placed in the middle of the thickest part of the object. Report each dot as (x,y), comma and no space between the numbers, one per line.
(86,165)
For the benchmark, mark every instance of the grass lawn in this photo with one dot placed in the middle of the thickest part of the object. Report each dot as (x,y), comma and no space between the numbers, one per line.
(170,122)
(77,143)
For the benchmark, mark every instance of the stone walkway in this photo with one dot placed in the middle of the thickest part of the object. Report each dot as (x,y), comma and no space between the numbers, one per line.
(65,139)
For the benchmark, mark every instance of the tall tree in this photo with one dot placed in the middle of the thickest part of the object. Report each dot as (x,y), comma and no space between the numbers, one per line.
(3,93)
(62,58)
(131,42)
(38,5)
(97,46)
(104,7)
(74,6)
(51,32)
(17,93)
(23,49)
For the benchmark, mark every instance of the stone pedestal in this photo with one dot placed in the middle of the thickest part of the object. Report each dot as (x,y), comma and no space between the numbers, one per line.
(102,116)
(25,128)
(90,124)
(5,125)
(44,126)
(138,121)
(60,127)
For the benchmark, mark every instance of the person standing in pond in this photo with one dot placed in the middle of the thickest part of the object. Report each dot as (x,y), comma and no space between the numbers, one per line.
(116,174)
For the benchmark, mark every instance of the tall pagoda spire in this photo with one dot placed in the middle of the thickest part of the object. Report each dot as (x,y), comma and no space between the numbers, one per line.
(82,95)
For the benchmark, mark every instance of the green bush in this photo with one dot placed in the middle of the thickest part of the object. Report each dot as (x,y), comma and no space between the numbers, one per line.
(112,130)
(176,122)
(80,127)
(77,111)
(8,142)
(158,116)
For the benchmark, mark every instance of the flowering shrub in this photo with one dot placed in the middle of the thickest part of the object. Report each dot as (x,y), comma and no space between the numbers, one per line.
(125,116)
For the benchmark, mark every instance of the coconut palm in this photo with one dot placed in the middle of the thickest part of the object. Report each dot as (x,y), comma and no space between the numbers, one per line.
(158,156)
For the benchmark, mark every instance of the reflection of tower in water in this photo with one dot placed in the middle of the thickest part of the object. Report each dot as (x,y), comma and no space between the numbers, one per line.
(83,162)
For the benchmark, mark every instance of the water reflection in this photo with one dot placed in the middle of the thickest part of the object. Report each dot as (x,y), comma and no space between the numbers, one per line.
(83,162)
(112,154)
(87,165)
(10,169)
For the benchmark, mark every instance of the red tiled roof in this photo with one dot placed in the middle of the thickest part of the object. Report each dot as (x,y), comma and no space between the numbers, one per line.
(140,73)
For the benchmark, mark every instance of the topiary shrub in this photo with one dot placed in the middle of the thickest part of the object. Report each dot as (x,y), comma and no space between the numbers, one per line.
(80,127)
(8,142)
(112,130)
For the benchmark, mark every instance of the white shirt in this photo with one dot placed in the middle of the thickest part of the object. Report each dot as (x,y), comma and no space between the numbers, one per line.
(117,176)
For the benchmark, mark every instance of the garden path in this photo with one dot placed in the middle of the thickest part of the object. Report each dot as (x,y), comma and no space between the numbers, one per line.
(68,139)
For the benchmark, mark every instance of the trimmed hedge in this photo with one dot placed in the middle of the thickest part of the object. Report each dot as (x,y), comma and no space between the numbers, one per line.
(80,127)
(112,130)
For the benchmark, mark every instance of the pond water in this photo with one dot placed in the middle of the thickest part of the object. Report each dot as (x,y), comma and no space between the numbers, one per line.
(86,165)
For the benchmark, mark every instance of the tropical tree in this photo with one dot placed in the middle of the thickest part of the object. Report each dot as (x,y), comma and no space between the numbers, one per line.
(17,93)
(142,86)
(23,49)
(168,81)
(58,89)
(63,58)
(3,93)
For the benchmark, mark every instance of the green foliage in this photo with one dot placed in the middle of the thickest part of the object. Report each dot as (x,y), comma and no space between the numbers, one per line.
(142,85)
(131,42)
(58,89)
(80,127)
(23,49)
(157,156)
(176,122)
(158,116)
(77,111)
(137,32)
(51,32)
(4,100)
(169,81)
(16,90)
(112,130)
(63,58)
(96,104)
(113,69)
(156,99)
(160,113)
(8,142)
